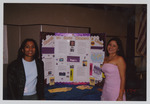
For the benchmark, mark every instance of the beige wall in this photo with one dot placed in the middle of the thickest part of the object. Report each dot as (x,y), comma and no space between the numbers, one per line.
(111,22)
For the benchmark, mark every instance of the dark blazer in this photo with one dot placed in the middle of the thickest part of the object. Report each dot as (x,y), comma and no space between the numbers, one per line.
(16,80)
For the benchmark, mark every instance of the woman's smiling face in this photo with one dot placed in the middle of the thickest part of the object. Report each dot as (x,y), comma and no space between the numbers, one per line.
(29,49)
(112,47)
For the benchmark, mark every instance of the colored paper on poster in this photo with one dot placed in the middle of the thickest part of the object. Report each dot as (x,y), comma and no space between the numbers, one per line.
(92,81)
(91,68)
(63,89)
(97,47)
(71,74)
(52,81)
(103,75)
(83,87)
(72,34)
(97,57)
(73,59)
(49,41)
(47,50)
(96,41)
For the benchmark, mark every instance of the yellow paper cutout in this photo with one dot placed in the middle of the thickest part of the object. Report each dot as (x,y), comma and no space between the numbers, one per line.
(51,81)
(71,74)
(92,43)
(83,87)
(92,81)
(64,89)
(103,76)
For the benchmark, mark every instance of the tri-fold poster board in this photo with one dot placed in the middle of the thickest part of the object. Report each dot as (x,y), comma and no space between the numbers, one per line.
(72,57)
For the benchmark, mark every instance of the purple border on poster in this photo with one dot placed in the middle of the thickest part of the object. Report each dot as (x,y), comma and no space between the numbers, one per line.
(72,34)
(96,47)
(47,50)
(73,59)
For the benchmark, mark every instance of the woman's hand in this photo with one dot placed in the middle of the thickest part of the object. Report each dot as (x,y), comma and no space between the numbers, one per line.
(119,99)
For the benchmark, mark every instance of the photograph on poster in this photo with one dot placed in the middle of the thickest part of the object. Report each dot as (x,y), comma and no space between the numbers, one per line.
(73,58)
(72,43)
(61,59)
(84,62)
(62,74)
(92,81)
(52,81)
(71,66)
(97,73)
(49,72)
(71,49)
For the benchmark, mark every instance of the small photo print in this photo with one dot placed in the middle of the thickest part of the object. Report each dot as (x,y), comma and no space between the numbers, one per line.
(84,62)
(62,74)
(72,43)
(71,66)
(72,50)
(49,72)
(61,59)
(92,43)
(92,81)
(97,70)
(52,81)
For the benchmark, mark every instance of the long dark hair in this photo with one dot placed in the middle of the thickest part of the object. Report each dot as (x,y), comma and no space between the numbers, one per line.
(21,54)
(120,51)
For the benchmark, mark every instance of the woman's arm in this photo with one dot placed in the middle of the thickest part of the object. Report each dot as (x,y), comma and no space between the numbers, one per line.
(122,70)
(11,83)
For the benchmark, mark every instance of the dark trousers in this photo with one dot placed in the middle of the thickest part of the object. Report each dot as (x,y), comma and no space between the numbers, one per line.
(30,97)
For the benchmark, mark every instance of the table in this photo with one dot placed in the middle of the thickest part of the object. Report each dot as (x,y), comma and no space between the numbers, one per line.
(74,94)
